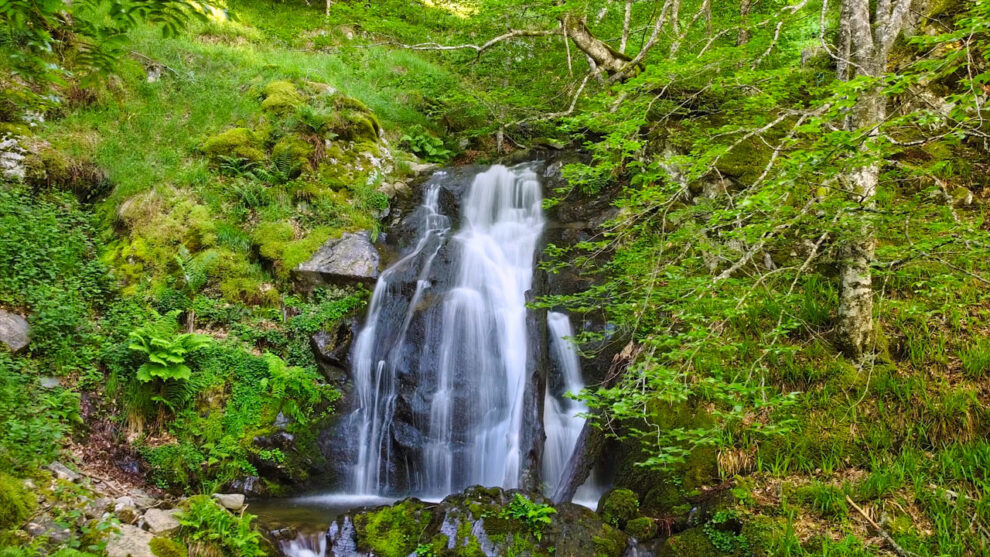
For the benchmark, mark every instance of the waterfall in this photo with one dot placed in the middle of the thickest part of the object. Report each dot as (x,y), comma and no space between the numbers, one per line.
(563,416)
(440,368)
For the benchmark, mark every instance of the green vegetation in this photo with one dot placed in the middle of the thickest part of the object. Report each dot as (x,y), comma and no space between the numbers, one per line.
(536,516)
(209,529)
(796,261)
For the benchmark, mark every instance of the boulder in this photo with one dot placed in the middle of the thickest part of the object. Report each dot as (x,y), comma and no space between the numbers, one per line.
(63,472)
(476,522)
(14,331)
(350,259)
(161,523)
(230,501)
(142,499)
(95,509)
(131,541)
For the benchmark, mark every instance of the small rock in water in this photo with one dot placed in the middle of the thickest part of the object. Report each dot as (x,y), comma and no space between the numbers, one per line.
(131,541)
(230,501)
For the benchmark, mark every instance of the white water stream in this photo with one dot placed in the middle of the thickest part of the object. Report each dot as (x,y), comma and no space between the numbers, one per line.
(440,367)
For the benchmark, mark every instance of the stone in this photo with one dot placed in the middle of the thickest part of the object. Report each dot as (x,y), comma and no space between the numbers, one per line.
(352,258)
(162,523)
(11,159)
(420,168)
(95,509)
(49,382)
(230,501)
(131,541)
(142,499)
(126,509)
(63,472)
(14,331)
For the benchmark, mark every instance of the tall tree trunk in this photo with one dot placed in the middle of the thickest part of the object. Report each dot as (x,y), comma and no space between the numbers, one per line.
(864,46)
(743,36)
(626,19)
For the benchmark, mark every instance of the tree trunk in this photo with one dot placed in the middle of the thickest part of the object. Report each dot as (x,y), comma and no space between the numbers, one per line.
(626,18)
(608,59)
(743,36)
(864,44)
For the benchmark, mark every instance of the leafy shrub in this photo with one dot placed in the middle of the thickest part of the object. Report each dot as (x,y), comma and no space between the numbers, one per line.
(31,420)
(425,146)
(166,356)
(208,526)
(536,516)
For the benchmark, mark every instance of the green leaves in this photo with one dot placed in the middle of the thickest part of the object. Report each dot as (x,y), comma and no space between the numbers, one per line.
(536,516)
(166,356)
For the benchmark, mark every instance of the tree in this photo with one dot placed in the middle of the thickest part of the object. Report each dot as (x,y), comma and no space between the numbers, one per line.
(865,42)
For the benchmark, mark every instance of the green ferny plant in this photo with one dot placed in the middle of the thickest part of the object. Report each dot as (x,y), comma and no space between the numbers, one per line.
(535,515)
(166,356)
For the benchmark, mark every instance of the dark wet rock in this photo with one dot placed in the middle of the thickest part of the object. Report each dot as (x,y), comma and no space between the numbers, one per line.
(332,350)
(14,331)
(248,485)
(350,259)
(476,522)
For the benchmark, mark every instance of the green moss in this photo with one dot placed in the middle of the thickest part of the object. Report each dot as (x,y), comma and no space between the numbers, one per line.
(16,502)
(689,543)
(292,154)
(642,528)
(164,547)
(618,506)
(239,143)
(392,531)
(281,97)
(609,543)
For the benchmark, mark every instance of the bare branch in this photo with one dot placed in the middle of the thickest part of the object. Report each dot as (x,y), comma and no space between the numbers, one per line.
(480,49)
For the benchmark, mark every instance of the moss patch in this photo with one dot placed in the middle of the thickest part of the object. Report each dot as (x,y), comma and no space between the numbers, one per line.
(239,143)
(619,506)
(392,531)
(16,502)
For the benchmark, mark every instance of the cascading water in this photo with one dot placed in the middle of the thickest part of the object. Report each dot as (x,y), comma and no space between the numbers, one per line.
(459,340)
(563,416)
(442,366)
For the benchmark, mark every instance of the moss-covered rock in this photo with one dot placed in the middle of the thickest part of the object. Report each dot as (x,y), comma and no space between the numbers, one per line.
(281,97)
(240,143)
(16,502)
(392,531)
(618,506)
(642,528)
(291,154)
(689,543)
(164,547)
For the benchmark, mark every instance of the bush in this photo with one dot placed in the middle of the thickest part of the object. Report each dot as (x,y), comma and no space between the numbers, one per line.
(619,506)
(16,502)
(208,527)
